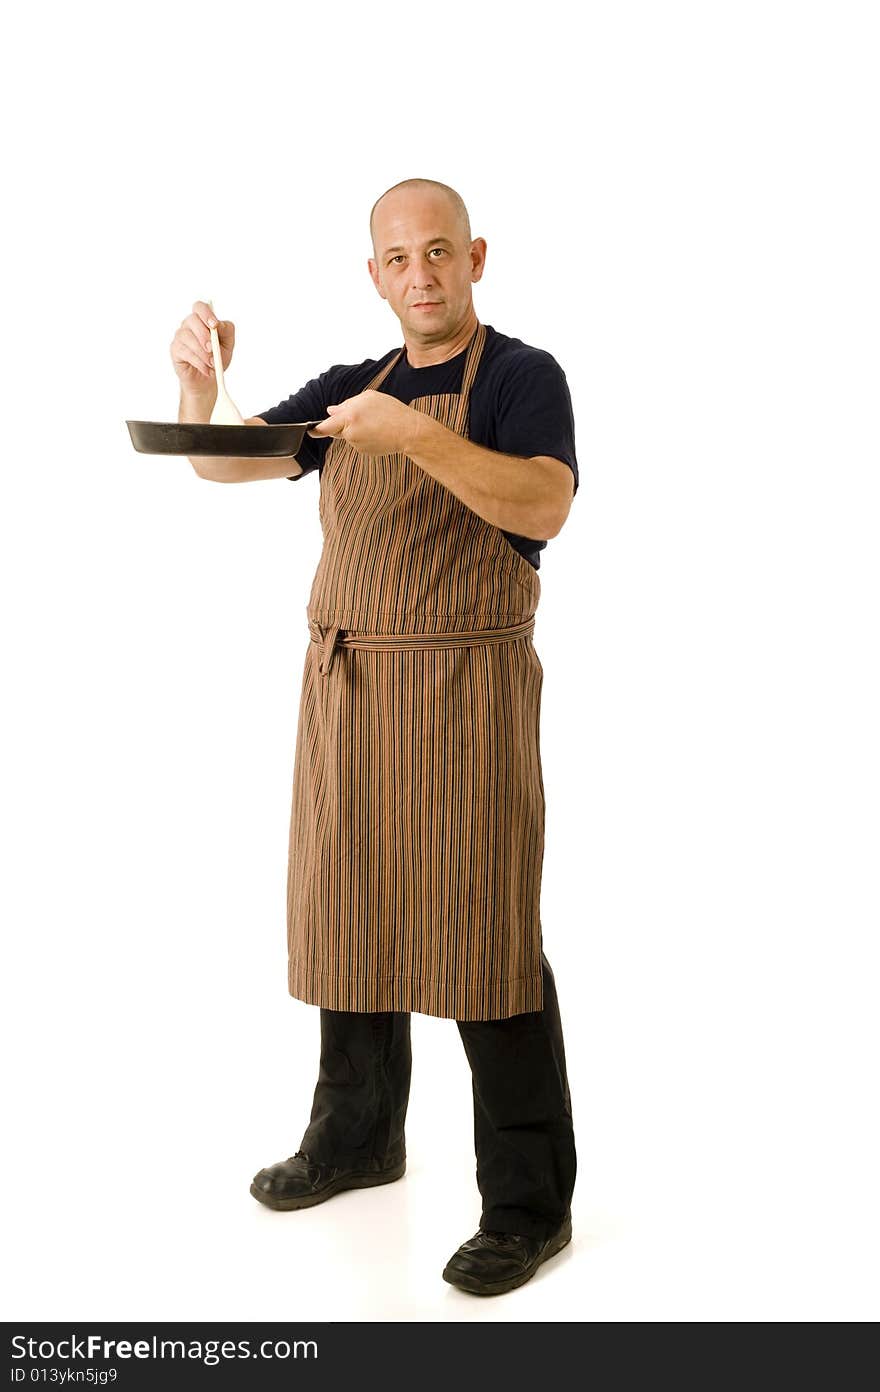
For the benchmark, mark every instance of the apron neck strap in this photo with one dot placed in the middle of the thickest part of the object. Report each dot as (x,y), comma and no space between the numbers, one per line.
(470,371)
(380,376)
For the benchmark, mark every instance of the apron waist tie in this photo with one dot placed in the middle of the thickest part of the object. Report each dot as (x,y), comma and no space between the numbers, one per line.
(329,636)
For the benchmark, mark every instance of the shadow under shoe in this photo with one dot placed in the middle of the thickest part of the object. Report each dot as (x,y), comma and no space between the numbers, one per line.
(300,1182)
(491,1263)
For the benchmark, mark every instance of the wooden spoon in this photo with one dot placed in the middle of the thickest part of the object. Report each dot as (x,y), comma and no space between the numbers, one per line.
(225,411)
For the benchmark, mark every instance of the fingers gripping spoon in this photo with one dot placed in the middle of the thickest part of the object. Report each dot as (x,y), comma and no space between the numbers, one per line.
(225,411)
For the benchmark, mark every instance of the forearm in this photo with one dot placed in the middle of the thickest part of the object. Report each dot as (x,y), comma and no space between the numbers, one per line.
(196,409)
(518,495)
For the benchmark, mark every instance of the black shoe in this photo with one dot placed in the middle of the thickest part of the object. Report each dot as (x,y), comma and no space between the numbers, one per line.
(299,1182)
(490,1263)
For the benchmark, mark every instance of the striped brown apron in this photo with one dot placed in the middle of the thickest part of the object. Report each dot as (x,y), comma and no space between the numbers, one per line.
(417,824)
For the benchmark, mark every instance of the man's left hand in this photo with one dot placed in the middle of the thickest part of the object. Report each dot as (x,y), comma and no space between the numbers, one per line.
(373,422)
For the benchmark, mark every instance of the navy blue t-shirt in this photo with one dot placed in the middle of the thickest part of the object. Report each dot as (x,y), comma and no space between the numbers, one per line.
(520,404)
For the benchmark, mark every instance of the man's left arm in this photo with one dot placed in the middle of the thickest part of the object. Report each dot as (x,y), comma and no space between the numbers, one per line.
(529,497)
(527,493)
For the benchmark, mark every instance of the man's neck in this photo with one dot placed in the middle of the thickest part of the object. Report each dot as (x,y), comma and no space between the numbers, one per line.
(417,355)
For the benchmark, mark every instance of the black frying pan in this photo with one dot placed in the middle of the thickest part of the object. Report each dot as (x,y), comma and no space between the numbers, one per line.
(236,441)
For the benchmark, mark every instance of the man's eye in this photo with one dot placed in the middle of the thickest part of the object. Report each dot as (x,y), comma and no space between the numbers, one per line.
(399,256)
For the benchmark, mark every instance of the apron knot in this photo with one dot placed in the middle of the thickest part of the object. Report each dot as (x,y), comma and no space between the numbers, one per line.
(328,641)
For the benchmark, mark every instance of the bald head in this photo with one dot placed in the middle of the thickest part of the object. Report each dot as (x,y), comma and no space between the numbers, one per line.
(406,186)
(425,264)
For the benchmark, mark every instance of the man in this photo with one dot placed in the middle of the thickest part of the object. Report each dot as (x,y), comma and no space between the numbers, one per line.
(417,823)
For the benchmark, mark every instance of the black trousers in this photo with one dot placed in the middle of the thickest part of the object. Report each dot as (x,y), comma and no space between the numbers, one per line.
(523,1131)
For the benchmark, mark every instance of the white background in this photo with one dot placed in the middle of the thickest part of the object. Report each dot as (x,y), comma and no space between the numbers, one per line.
(680,203)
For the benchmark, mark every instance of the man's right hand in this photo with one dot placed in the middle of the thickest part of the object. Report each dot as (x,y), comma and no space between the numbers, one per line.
(191,350)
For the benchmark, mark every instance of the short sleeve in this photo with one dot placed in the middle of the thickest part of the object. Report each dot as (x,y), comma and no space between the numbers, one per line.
(309,403)
(534,412)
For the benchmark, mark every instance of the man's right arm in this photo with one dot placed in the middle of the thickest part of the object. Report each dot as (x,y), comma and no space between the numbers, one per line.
(197,408)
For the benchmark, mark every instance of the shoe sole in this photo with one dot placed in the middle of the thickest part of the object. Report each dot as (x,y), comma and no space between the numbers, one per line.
(364,1180)
(473,1286)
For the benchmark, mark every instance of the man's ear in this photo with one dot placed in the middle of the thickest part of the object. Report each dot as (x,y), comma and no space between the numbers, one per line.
(374,276)
(478,258)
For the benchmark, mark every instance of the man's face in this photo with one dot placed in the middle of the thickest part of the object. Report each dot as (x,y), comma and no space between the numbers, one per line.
(424,265)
